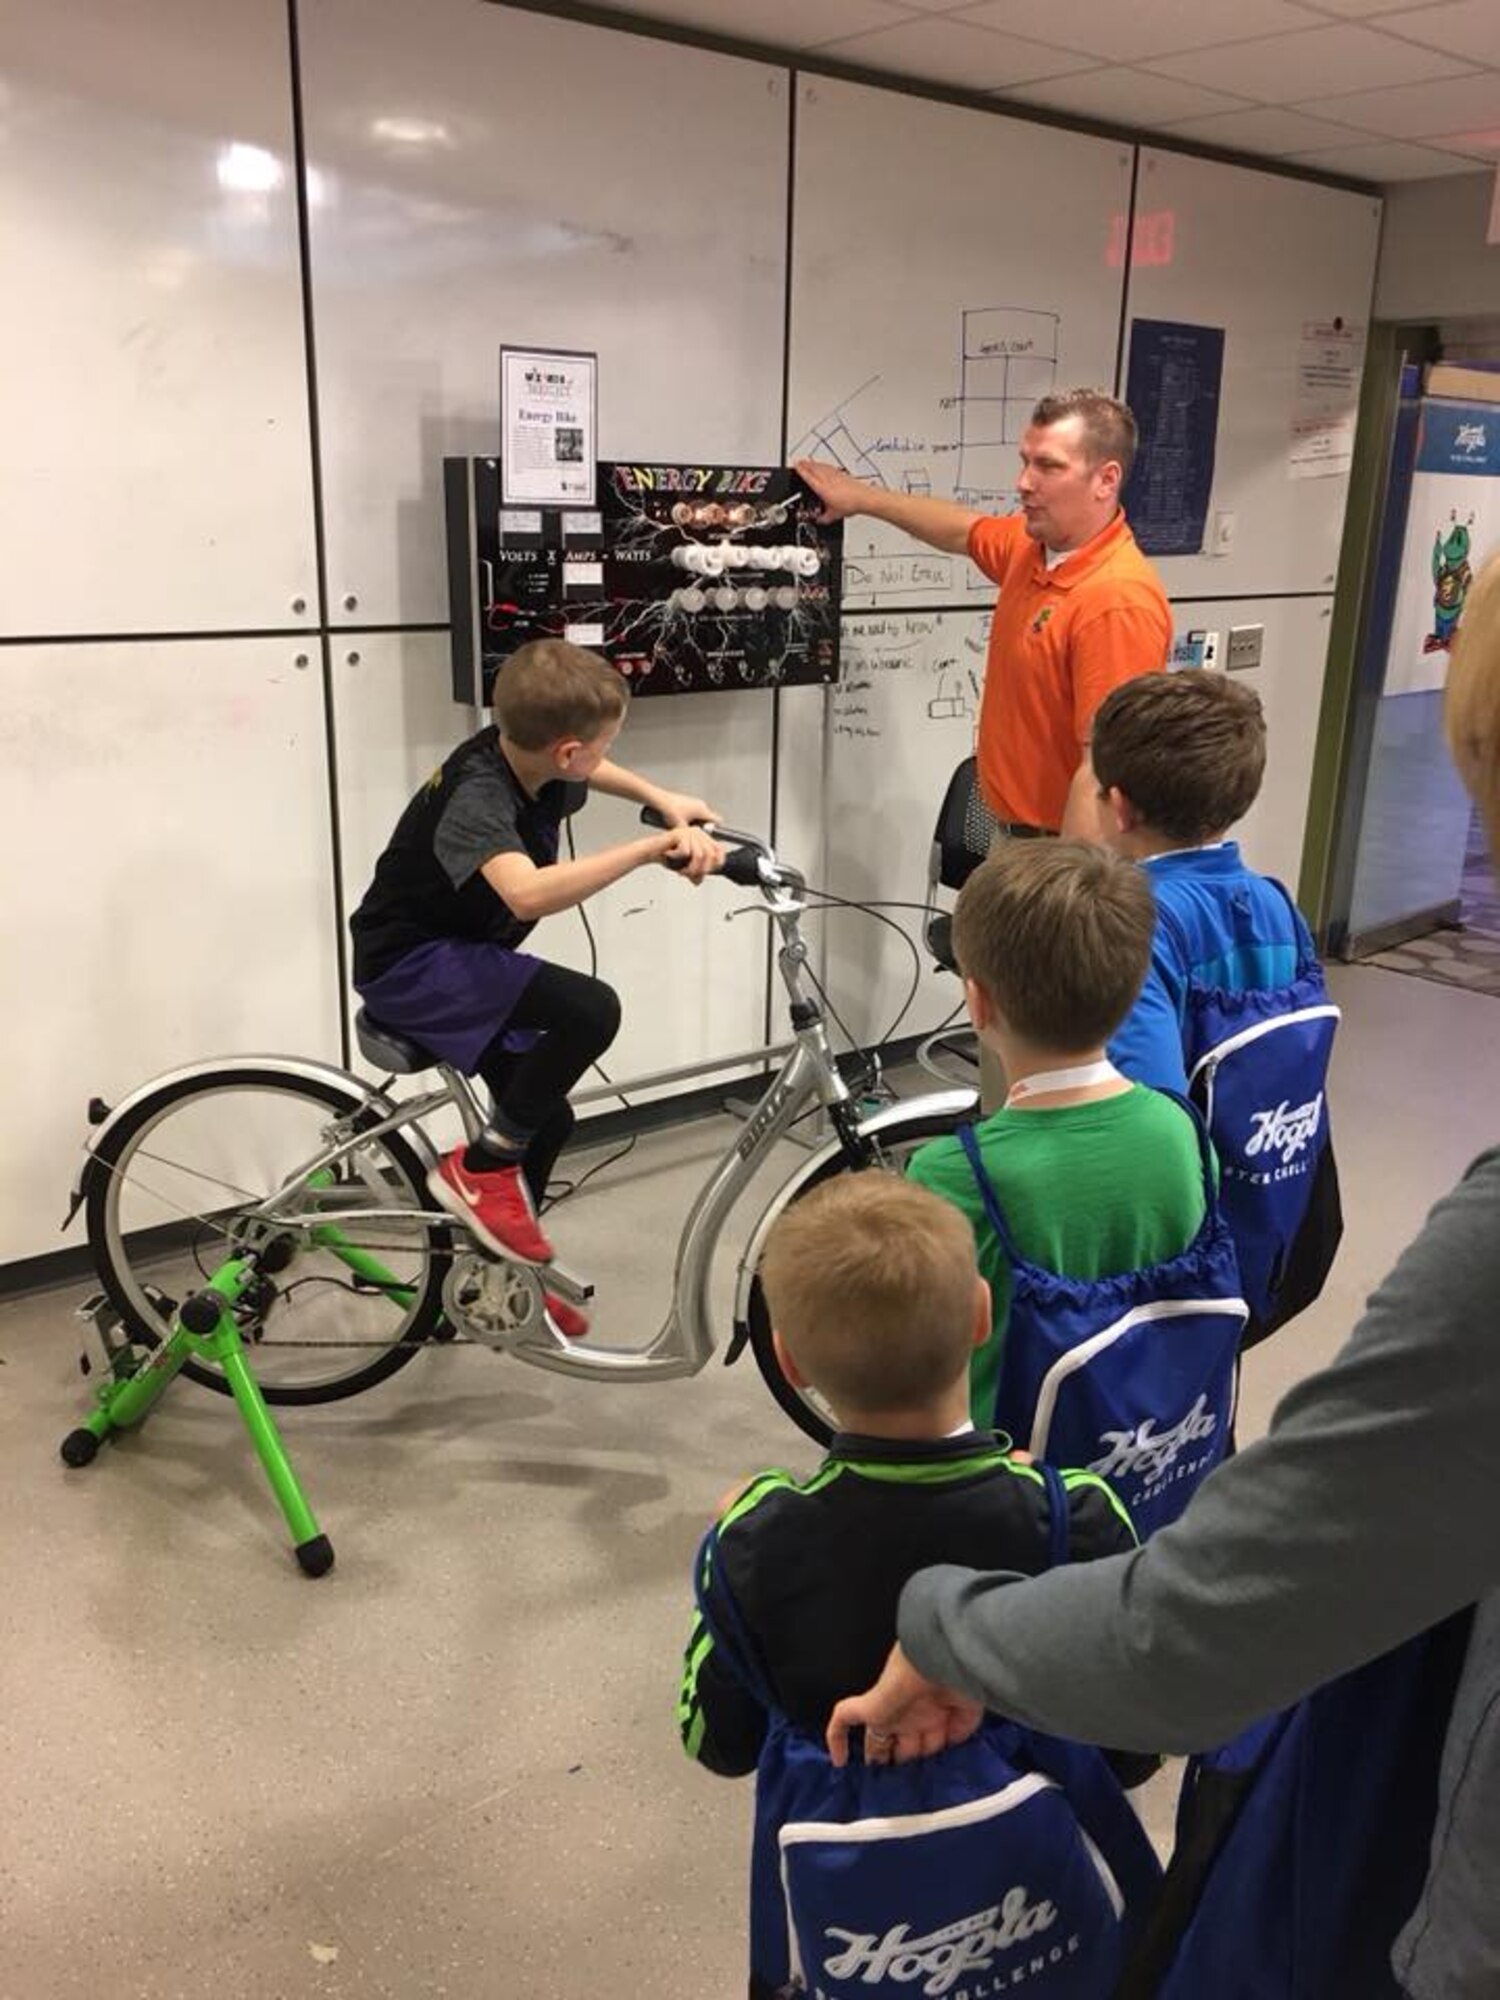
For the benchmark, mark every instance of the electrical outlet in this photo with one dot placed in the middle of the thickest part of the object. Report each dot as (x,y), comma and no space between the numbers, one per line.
(1244,647)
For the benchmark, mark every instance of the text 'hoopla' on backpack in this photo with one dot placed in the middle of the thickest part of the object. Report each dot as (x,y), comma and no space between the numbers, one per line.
(1257,1065)
(1132,1376)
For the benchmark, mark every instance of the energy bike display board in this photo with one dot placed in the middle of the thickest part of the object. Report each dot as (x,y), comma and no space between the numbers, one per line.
(687,577)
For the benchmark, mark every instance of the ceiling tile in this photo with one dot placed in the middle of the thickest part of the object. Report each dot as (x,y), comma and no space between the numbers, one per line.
(790,24)
(1418,110)
(942,50)
(1125,97)
(1361,9)
(1128,30)
(1385,160)
(1463,28)
(1265,128)
(1283,69)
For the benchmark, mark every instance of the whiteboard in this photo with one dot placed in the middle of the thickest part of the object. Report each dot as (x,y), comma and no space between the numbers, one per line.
(157,476)
(949,267)
(1289,681)
(899,721)
(532,181)
(1270,260)
(691,976)
(902,717)
(171,895)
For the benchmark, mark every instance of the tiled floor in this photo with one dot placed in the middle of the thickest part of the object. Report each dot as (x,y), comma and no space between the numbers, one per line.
(450,1768)
(1467,953)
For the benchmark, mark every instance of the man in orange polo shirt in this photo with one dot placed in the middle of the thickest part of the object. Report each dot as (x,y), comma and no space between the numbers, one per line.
(1080,608)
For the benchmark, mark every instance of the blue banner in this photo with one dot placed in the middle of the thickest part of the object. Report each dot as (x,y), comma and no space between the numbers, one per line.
(1459,437)
(1173,388)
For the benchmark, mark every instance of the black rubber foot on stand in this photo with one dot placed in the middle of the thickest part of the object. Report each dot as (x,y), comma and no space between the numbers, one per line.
(315,1557)
(80,1447)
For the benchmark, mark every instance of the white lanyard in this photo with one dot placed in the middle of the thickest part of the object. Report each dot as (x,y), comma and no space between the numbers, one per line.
(1043,1081)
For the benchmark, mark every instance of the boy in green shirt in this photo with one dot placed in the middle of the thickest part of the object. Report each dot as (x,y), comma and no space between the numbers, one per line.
(1096,1176)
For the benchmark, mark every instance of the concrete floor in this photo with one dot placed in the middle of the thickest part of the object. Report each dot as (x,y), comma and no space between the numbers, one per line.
(450,1767)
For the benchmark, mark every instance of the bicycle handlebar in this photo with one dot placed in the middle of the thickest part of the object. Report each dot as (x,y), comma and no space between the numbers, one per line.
(742,864)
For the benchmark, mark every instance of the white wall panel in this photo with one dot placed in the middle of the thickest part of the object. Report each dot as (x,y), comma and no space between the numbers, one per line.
(156,472)
(170,895)
(1263,257)
(1289,681)
(691,977)
(932,307)
(491,176)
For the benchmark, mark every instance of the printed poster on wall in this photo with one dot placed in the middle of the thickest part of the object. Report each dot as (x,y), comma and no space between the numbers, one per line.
(1173,385)
(1330,359)
(548,427)
(1452,527)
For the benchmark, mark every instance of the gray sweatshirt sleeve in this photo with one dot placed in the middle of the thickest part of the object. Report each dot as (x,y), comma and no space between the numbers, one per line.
(1366,1514)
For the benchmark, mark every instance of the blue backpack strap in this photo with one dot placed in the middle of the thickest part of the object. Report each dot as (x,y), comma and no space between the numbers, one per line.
(1058,1521)
(725,1625)
(1307,950)
(993,1214)
(1206,1155)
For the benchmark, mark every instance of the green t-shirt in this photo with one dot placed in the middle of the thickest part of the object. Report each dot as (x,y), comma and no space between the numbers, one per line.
(1087,1191)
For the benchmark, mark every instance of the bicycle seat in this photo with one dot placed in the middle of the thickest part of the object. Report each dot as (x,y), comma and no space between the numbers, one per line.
(397,1054)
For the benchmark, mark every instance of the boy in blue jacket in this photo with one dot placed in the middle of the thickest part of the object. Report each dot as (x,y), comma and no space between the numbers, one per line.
(1234,1011)
(1179,759)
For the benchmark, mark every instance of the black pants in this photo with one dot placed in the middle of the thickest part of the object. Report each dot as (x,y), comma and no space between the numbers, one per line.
(577,1019)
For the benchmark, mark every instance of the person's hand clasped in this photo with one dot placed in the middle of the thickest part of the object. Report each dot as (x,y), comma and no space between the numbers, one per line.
(690,852)
(904,1715)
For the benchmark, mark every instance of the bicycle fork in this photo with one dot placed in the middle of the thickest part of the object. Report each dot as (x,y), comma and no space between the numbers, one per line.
(204,1327)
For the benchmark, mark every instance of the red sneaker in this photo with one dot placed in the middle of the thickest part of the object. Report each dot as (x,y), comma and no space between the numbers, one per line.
(569,1321)
(496,1206)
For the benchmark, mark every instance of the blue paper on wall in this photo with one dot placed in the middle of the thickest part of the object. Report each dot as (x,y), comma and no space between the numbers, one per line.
(1173,387)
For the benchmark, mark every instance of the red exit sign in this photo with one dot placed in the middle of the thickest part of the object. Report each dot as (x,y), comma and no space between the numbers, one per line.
(1153,242)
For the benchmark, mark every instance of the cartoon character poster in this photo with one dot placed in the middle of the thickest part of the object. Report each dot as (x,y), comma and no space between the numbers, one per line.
(1452,527)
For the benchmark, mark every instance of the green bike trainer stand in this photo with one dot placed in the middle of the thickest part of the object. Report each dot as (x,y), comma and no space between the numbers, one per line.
(204,1327)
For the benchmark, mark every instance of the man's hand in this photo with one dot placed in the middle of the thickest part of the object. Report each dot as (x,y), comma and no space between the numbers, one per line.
(688,851)
(840,492)
(904,1715)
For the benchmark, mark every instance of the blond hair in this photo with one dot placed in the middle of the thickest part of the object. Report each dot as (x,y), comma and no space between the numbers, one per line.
(870,1281)
(1058,934)
(549,690)
(1471,710)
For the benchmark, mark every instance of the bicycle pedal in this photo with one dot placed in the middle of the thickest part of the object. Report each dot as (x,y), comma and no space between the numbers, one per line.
(577,1291)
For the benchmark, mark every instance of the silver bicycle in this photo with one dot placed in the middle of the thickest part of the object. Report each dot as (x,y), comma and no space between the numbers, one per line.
(311,1185)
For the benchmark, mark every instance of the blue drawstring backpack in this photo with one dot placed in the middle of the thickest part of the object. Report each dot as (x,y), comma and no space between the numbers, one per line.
(1132,1376)
(1012,1859)
(1257,1068)
(1302,1846)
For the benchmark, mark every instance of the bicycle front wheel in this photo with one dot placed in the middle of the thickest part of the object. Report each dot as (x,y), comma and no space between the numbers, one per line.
(354,1283)
(894,1145)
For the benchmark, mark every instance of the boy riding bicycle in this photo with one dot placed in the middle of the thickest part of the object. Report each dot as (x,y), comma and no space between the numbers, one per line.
(469,870)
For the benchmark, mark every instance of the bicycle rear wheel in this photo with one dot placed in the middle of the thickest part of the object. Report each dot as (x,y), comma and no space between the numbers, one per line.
(168,1194)
(895,1143)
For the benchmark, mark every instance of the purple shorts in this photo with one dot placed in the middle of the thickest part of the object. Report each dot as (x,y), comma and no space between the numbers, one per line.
(453,996)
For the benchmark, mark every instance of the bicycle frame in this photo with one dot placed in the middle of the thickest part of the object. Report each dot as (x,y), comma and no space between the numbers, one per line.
(685,1341)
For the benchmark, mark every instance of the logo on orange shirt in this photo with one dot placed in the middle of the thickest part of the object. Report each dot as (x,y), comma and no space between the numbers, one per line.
(1042,616)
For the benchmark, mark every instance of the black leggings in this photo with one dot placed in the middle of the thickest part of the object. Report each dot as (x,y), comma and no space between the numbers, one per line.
(578,1018)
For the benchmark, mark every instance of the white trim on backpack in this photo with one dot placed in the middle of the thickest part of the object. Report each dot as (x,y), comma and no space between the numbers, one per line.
(1325,1010)
(1078,1357)
(908,1825)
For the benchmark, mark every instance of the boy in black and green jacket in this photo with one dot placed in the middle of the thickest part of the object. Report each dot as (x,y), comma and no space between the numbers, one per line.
(876,1302)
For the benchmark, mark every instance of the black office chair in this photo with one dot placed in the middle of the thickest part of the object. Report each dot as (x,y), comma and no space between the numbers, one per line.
(960,841)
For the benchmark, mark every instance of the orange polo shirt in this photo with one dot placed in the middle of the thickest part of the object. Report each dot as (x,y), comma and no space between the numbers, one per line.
(1060,640)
